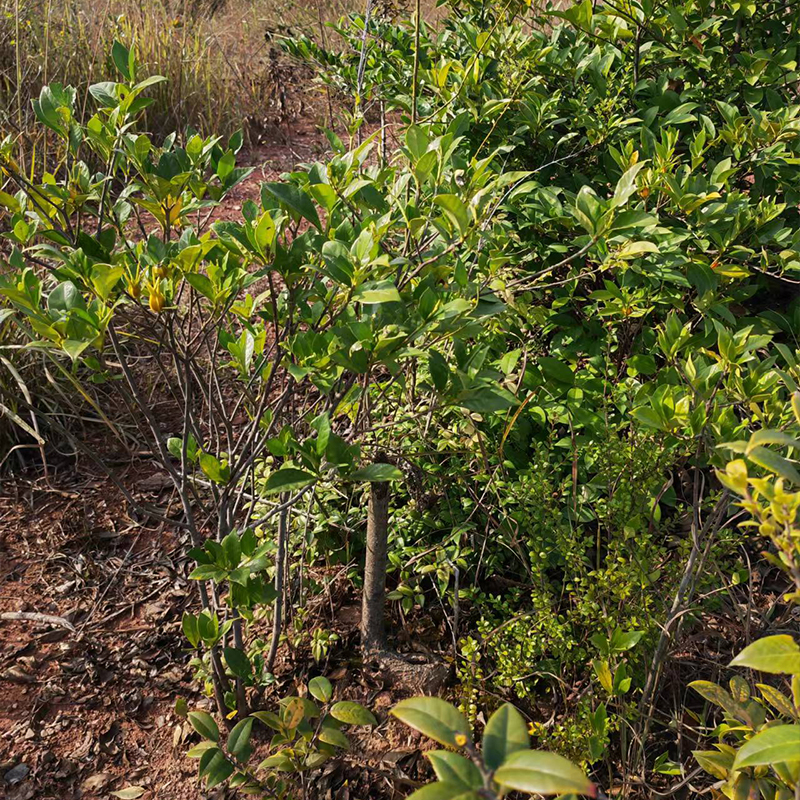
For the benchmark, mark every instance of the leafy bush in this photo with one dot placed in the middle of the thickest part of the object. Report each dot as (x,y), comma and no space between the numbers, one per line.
(764,729)
(533,331)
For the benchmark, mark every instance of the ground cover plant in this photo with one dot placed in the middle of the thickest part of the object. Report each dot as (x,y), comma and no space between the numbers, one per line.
(527,382)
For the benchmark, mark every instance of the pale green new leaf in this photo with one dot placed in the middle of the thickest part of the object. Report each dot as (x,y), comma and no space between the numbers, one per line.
(776,654)
(772,746)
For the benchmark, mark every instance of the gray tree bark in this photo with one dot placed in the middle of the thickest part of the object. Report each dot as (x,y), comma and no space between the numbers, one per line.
(374,596)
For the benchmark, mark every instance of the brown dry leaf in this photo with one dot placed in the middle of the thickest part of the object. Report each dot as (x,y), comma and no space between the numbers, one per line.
(97,781)
(129,792)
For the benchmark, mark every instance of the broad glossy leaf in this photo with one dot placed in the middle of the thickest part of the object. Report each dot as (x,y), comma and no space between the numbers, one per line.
(239,737)
(377,473)
(440,372)
(334,736)
(321,689)
(454,768)
(435,718)
(776,654)
(775,463)
(294,712)
(506,732)
(714,763)
(455,210)
(542,773)
(213,468)
(376,292)
(713,693)
(237,661)
(298,201)
(190,628)
(778,700)
(443,790)
(352,713)
(766,436)
(486,399)
(556,370)
(216,767)
(288,479)
(204,724)
(772,746)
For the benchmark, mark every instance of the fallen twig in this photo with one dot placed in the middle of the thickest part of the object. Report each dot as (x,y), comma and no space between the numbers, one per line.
(35,616)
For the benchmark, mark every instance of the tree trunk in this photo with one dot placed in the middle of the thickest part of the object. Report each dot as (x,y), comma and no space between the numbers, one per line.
(280,558)
(374,597)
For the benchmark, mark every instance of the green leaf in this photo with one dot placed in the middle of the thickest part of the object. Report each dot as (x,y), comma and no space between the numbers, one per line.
(320,689)
(542,773)
(777,699)
(105,278)
(297,200)
(334,736)
(204,724)
(714,763)
(454,210)
(269,718)
(377,292)
(434,718)
(556,370)
(198,750)
(239,737)
(454,768)
(713,693)
(775,463)
(200,283)
(416,140)
(175,446)
(288,479)
(772,746)
(626,185)
(190,628)
(506,732)
(121,57)
(212,467)
(238,662)
(352,714)
(443,790)
(487,399)
(232,549)
(766,436)
(226,165)
(440,372)
(73,348)
(105,93)
(215,766)
(206,572)
(776,654)
(294,712)
(647,416)
(376,473)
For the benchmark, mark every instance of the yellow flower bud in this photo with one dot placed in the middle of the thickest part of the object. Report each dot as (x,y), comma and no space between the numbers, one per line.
(156,301)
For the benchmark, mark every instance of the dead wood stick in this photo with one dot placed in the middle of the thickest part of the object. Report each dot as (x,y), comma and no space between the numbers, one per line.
(35,616)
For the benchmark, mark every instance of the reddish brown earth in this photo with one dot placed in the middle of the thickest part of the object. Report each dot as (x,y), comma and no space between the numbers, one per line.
(88,711)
